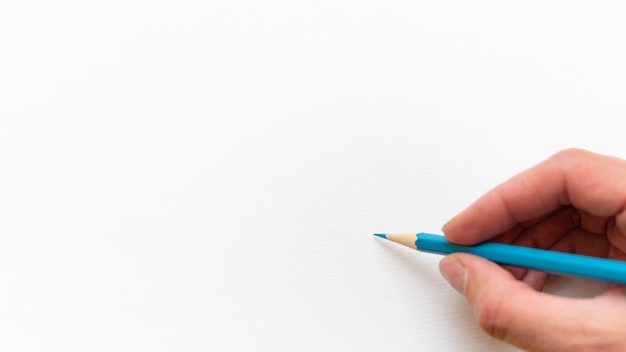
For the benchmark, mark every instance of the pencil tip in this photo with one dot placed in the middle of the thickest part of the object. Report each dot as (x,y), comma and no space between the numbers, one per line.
(381,235)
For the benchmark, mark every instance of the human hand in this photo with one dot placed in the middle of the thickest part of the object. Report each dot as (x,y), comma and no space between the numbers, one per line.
(573,202)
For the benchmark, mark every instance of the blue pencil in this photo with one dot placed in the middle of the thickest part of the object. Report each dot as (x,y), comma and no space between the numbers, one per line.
(531,258)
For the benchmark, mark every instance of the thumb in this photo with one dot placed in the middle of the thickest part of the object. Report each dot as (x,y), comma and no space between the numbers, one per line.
(510,310)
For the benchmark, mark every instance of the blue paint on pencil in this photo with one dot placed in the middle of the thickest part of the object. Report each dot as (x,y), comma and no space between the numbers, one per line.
(531,258)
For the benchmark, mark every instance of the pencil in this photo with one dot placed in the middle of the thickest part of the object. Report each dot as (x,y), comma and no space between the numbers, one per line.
(531,258)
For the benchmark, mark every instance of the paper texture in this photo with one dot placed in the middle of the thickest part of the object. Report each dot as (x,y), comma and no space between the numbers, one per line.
(207,176)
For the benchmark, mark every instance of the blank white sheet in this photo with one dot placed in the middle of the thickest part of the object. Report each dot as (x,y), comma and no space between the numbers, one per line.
(197,175)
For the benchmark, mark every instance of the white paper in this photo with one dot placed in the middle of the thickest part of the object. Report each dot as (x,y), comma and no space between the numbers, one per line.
(207,176)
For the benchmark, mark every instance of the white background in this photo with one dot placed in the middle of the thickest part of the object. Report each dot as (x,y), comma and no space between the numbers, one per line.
(206,175)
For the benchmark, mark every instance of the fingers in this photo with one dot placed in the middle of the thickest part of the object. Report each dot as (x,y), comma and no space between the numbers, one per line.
(535,208)
(543,233)
(617,240)
(590,182)
(510,310)
(584,243)
(549,230)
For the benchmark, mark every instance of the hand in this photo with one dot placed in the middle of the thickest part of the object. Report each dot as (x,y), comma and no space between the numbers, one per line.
(573,202)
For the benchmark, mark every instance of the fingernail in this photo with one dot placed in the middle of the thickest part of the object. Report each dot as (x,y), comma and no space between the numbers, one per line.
(453,272)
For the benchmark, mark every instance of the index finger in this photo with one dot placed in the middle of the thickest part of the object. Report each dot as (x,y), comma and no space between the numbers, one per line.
(587,181)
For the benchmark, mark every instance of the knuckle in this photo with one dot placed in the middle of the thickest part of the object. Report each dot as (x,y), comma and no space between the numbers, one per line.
(570,159)
(570,153)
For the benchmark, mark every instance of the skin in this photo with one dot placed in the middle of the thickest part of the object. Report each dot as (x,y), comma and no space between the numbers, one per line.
(575,201)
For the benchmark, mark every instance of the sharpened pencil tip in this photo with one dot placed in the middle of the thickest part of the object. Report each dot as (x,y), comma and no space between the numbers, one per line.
(381,235)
